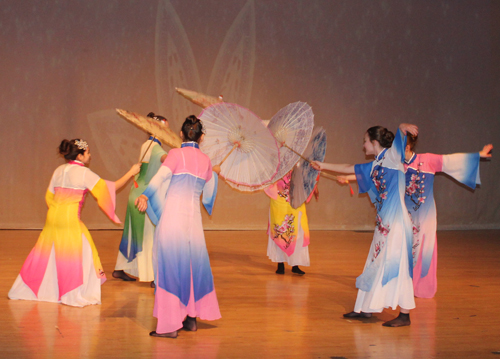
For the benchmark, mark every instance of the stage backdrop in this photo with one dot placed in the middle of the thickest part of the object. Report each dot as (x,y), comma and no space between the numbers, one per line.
(66,65)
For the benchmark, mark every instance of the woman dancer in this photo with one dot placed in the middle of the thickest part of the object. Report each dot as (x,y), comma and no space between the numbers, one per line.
(386,279)
(183,277)
(64,266)
(135,255)
(419,198)
(288,229)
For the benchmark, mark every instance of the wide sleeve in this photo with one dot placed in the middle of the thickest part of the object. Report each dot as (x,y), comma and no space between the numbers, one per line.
(396,153)
(363,177)
(464,167)
(49,196)
(105,194)
(210,192)
(157,193)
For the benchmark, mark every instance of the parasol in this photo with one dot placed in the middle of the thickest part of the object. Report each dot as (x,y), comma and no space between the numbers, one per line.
(198,98)
(292,127)
(236,140)
(304,177)
(156,128)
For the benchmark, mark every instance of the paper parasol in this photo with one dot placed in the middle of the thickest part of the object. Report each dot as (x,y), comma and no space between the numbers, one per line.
(236,140)
(292,127)
(156,128)
(304,177)
(198,98)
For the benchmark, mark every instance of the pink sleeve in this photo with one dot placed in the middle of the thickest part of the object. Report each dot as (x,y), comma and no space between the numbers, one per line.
(171,160)
(208,175)
(272,191)
(433,163)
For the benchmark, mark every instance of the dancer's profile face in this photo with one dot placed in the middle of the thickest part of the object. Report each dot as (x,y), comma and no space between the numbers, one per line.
(85,158)
(368,146)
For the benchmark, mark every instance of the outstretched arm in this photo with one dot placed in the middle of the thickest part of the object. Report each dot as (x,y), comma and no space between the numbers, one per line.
(334,167)
(486,151)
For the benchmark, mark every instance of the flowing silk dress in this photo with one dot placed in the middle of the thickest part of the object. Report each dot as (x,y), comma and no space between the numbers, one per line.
(135,255)
(420,171)
(183,277)
(386,279)
(64,266)
(288,228)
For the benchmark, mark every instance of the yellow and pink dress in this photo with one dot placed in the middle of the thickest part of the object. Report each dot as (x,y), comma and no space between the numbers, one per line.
(288,228)
(64,266)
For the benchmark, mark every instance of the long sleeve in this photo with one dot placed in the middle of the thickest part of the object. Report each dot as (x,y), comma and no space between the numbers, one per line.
(210,193)
(156,193)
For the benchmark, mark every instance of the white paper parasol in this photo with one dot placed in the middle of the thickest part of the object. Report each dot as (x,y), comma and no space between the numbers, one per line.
(156,128)
(304,177)
(292,127)
(236,140)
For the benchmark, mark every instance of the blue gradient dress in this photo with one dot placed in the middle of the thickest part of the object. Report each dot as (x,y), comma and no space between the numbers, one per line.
(386,279)
(183,277)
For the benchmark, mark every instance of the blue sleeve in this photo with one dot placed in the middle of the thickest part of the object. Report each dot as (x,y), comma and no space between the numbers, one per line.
(210,193)
(399,145)
(365,183)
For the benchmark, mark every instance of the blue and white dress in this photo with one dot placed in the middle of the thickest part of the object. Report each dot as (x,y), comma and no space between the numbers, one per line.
(386,280)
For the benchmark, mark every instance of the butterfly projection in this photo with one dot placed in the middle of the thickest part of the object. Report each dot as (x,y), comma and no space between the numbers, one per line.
(176,66)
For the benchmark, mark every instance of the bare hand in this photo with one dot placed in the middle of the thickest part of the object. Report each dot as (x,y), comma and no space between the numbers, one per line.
(408,127)
(216,169)
(342,180)
(135,169)
(141,203)
(486,152)
(316,165)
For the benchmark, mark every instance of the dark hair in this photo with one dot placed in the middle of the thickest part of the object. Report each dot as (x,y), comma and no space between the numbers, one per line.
(156,117)
(382,135)
(192,128)
(70,150)
(411,140)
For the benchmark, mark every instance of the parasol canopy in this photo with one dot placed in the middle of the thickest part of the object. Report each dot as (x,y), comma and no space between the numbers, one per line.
(304,177)
(198,98)
(156,128)
(292,127)
(236,140)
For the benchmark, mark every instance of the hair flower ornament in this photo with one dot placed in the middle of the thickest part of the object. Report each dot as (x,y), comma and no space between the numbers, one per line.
(81,144)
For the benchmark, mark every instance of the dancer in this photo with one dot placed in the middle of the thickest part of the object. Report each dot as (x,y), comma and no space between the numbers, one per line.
(64,266)
(386,279)
(184,282)
(135,255)
(419,198)
(287,229)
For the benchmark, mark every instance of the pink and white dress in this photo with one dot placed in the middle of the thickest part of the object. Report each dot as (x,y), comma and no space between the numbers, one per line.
(419,199)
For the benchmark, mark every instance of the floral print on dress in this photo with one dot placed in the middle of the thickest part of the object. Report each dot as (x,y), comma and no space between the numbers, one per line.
(380,185)
(416,188)
(285,191)
(416,240)
(381,227)
(285,230)
(378,248)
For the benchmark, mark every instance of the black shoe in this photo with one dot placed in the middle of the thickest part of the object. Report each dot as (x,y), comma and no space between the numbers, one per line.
(281,268)
(122,275)
(189,324)
(297,270)
(172,335)
(357,315)
(402,320)
(153,284)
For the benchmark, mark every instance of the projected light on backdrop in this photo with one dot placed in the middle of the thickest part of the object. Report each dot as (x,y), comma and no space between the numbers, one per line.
(232,76)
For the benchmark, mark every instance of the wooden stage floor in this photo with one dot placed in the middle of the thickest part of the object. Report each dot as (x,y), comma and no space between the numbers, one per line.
(265,315)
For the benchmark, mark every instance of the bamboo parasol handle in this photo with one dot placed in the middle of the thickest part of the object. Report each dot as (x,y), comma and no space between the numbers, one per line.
(217,168)
(144,155)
